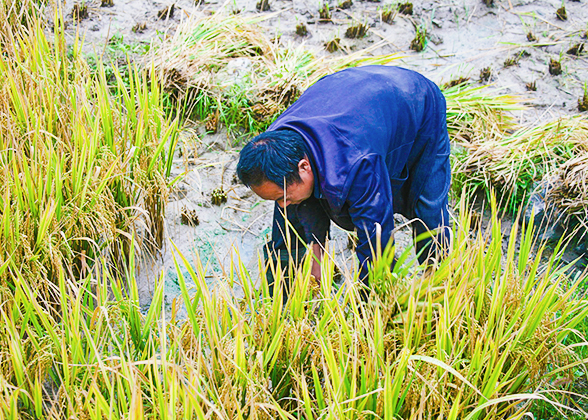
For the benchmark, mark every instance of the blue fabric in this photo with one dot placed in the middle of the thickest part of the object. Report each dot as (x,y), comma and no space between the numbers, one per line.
(377,140)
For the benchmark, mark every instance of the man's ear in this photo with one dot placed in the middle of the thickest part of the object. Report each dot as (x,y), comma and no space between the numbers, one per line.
(304,165)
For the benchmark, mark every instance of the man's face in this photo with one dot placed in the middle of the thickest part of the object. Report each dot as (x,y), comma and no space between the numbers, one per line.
(295,193)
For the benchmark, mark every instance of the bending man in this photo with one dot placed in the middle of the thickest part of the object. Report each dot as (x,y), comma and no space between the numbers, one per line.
(355,148)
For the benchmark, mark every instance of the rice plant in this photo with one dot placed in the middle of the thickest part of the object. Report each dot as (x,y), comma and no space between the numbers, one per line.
(81,168)
(15,14)
(226,65)
(84,170)
(477,338)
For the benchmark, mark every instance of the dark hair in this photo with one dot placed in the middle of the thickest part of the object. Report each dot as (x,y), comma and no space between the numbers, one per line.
(272,156)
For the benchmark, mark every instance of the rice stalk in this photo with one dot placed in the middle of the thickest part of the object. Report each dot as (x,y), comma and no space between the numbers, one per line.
(15,14)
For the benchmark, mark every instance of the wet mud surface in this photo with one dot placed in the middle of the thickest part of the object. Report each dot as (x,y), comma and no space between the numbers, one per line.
(510,44)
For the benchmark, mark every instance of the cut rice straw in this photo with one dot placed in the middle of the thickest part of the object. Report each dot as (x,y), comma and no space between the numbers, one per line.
(479,113)
(569,189)
(512,163)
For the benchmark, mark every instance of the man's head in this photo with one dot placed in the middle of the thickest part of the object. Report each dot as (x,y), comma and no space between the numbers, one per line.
(275,159)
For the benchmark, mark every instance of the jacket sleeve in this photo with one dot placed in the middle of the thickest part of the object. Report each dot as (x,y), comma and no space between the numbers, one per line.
(370,202)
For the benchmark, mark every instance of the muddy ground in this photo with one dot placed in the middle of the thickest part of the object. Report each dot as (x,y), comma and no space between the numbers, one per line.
(515,38)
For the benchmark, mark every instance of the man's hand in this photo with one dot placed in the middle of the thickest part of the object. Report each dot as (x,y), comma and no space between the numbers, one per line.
(317,250)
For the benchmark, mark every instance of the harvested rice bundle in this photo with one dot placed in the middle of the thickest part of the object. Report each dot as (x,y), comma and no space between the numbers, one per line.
(512,163)
(227,65)
(477,114)
(570,189)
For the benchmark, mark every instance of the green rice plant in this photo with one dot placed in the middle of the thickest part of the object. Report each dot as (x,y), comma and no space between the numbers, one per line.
(477,337)
(81,167)
(226,66)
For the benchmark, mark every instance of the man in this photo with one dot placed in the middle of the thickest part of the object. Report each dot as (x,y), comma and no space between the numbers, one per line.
(357,147)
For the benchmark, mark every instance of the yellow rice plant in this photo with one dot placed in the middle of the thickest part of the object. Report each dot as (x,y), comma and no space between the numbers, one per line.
(225,69)
(476,338)
(81,165)
(16,13)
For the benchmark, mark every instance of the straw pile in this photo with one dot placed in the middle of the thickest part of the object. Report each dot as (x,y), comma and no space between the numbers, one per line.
(224,69)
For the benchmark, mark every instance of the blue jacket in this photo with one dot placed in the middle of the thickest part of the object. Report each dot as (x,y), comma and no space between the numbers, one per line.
(372,134)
